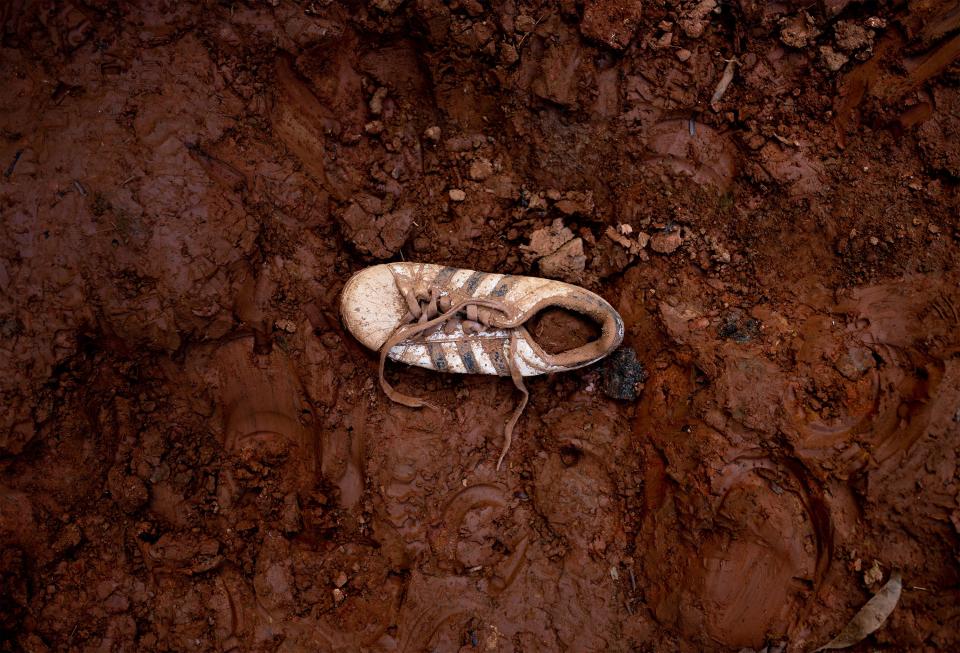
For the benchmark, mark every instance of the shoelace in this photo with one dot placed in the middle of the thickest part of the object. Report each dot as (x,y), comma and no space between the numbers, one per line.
(439,310)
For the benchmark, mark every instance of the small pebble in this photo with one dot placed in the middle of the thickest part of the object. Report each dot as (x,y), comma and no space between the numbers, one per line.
(432,133)
(623,375)
(376,102)
(480,169)
(338,595)
(874,241)
(932,228)
(457,195)
(683,54)
(286,325)
(666,243)
(524,23)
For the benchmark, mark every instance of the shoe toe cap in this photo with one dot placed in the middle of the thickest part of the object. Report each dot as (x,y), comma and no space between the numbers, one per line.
(371,305)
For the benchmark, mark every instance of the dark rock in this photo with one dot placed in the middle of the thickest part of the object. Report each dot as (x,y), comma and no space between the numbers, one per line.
(623,375)
(737,327)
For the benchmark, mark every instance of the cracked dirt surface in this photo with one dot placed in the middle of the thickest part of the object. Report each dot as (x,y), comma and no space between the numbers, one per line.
(194,454)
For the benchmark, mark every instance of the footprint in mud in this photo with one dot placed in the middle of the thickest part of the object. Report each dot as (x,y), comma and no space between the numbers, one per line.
(479,531)
(435,615)
(870,380)
(747,579)
(265,418)
(575,493)
(844,421)
(577,496)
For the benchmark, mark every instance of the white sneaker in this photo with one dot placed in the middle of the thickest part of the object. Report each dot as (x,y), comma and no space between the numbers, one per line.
(453,320)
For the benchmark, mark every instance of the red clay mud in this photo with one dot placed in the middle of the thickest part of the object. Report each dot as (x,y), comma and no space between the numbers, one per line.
(196,456)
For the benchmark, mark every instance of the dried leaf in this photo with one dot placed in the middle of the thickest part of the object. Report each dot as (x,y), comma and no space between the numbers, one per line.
(870,617)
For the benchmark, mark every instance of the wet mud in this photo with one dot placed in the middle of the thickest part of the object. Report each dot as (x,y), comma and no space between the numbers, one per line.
(195,455)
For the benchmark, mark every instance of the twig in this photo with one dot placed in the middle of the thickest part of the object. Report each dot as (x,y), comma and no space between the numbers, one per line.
(13,164)
(724,83)
(537,22)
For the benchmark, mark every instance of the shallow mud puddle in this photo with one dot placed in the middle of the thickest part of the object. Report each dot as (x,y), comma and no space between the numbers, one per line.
(195,456)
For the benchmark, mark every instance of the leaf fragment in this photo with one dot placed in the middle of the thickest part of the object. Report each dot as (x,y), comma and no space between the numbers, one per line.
(870,617)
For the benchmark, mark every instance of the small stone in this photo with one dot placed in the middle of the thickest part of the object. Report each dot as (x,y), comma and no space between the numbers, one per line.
(432,133)
(876,23)
(832,59)
(683,54)
(457,195)
(566,264)
(286,325)
(373,127)
(620,238)
(576,203)
(932,228)
(611,22)
(480,169)
(851,36)
(664,41)
(340,580)
(623,375)
(524,23)
(290,520)
(536,202)
(547,240)
(874,241)
(798,31)
(694,21)
(666,243)
(338,595)
(873,575)
(376,102)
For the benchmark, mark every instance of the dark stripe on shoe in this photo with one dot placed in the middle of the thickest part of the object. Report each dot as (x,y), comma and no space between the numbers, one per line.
(500,361)
(443,276)
(466,355)
(472,282)
(437,356)
(503,287)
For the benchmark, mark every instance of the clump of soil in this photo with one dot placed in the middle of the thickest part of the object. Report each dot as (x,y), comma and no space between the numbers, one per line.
(557,330)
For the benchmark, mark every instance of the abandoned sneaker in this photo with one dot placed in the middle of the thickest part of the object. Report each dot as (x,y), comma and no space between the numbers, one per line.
(468,322)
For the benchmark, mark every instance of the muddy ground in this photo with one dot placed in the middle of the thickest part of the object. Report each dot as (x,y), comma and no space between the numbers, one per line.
(194,455)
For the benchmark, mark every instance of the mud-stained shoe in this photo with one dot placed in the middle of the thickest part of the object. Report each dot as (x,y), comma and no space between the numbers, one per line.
(462,321)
